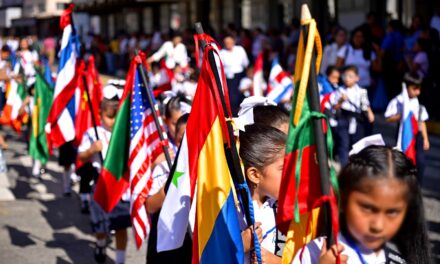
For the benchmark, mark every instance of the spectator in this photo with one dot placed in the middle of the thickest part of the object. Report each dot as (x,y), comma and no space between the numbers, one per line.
(174,52)
(435,20)
(359,53)
(235,62)
(330,53)
(420,63)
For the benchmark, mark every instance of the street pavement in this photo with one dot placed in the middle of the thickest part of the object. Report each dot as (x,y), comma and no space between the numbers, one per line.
(39,225)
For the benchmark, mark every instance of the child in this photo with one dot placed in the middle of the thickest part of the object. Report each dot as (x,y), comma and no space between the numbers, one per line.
(395,110)
(119,218)
(262,152)
(382,219)
(354,111)
(175,108)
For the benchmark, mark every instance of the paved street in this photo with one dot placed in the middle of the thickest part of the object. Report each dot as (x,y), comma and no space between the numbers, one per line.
(39,225)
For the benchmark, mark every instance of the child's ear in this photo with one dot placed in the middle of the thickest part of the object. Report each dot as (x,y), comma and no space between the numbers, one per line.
(253,175)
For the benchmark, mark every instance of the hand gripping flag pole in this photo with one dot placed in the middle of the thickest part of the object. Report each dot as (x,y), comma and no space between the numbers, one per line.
(231,150)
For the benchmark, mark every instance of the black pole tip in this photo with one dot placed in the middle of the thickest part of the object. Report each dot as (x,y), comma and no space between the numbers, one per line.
(199,28)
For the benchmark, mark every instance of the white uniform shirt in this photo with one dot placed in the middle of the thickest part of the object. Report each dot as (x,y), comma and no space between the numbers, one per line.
(266,216)
(234,61)
(89,138)
(357,98)
(356,57)
(160,175)
(353,258)
(329,56)
(173,55)
(395,106)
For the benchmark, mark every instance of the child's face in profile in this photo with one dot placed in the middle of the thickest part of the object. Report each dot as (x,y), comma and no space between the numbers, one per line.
(333,77)
(413,91)
(270,179)
(180,130)
(350,78)
(375,214)
(172,121)
(108,116)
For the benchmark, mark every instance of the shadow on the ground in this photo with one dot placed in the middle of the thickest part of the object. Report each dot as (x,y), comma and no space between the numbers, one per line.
(78,250)
(19,238)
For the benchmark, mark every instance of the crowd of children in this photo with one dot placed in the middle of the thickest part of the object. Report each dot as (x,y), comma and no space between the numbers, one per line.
(381,214)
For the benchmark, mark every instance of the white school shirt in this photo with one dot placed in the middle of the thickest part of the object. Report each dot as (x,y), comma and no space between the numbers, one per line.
(395,106)
(173,55)
(266,216)
(234,61)
(353,258)
(89,138)
(160,175)
(356,57)
(357,98)
(329,56)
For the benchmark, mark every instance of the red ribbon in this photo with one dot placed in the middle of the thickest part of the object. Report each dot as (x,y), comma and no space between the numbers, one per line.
(205,37)
(334,218)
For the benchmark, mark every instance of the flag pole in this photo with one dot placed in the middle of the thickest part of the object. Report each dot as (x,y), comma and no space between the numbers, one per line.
(322,155)
(231,152)
(144,77)
(86,88)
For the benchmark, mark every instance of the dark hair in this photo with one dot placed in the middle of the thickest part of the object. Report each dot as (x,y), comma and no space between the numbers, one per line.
(366,46)
(330,69)
(270,115)
(182,121)
(174,104)
(109,104)
(351,68)
(6,48)
(260,145)
(412,79)
(377,162)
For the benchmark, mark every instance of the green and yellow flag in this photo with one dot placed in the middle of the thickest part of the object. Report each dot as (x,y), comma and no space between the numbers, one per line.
(42,102)
(300,189)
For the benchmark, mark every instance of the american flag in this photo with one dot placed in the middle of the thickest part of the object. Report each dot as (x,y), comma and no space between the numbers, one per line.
(145,147)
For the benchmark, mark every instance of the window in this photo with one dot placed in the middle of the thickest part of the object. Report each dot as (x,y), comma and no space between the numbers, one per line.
(41,7)
(61,6)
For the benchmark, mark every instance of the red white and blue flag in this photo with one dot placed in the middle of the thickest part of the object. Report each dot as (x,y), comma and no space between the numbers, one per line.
(145,147)
(258,83)
(61,119)
(408,129)
(280,83)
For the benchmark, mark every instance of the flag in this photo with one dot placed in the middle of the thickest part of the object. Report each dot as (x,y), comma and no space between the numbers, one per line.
(217,235)
(258,80)
(162,80)
(280,84)
(134,145)
(61,119)
(408,129)
(43,93)
(83,119)
(48,73)
(300,184)
(16,95)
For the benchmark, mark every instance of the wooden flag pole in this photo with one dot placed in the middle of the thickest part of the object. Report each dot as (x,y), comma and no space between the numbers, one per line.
(322,155)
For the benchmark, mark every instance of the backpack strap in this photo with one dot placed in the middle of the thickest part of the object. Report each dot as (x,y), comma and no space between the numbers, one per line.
(392,254)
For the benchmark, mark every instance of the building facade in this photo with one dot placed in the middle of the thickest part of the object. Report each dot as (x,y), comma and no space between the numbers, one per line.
(9,10)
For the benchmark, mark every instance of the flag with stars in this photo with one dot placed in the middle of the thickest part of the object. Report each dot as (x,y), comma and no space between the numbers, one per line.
(133,147)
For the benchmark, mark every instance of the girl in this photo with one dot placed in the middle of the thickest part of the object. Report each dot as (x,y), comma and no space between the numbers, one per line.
(262,152)
(382,219)
(175,107)
(359,53)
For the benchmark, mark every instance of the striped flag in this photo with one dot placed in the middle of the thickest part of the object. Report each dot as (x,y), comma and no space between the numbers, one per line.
(15,97)
(280,83)
(300,189)
(258,83)
(61,119)
(134,145)
(217,235)
(408,129)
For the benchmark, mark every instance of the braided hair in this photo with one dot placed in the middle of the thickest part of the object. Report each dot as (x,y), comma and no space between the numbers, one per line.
(375,162)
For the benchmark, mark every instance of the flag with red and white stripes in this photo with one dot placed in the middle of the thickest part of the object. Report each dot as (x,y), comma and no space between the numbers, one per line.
(280,83)
(61,118)
(134,145)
